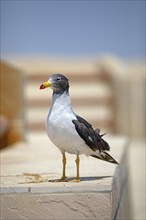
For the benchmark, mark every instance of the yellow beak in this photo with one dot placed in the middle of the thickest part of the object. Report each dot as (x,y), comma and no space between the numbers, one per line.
(45,85)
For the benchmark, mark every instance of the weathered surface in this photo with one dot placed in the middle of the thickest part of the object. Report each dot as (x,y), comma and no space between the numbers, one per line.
(57,206)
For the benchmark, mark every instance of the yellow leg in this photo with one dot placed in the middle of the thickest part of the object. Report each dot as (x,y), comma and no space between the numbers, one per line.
(63,178)
(64,166)
(77,165)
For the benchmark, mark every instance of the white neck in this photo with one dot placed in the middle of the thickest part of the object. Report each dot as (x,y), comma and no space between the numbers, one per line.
(61,103)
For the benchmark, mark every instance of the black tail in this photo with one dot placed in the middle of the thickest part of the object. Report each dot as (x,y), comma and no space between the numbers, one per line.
(105,156)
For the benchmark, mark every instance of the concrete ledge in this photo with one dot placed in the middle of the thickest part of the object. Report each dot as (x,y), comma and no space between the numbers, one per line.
(27,194)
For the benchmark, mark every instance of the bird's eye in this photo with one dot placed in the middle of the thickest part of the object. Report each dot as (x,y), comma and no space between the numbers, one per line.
(58,79)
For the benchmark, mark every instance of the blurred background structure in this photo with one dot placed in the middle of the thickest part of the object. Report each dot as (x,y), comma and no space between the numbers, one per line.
(100,47)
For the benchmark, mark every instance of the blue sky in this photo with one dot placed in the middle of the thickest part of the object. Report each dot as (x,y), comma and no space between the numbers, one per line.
(73,28)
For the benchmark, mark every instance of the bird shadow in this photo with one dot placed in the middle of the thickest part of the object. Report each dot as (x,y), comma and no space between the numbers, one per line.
(91,178)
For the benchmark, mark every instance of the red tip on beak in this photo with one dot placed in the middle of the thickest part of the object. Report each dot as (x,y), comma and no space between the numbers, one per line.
(42,86)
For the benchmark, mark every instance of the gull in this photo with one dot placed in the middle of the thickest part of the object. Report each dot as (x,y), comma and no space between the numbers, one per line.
(70,132)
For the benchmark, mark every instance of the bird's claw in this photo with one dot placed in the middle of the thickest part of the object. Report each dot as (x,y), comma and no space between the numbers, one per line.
(75,180)
(62,179)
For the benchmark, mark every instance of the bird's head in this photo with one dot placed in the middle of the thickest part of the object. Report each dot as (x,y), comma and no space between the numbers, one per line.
(58,82)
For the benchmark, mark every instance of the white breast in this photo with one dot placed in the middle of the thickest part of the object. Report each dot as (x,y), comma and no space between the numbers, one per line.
(61,129)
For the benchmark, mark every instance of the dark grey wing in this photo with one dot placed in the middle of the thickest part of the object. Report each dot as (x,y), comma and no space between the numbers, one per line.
(92,138)
(97,130)
(105,156)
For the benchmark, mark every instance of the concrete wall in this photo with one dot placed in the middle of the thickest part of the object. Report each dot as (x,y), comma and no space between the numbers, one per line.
(101,194)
